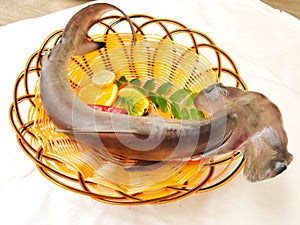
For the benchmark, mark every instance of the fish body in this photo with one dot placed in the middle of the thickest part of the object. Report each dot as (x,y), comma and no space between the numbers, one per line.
(238,121)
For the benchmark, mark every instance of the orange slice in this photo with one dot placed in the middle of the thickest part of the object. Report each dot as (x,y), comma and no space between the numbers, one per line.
(103,78)
(106,96)
(154,110)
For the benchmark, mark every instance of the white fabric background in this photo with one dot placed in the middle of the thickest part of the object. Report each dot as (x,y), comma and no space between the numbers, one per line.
(264,44)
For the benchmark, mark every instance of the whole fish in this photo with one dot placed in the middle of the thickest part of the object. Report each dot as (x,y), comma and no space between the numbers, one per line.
(239,120)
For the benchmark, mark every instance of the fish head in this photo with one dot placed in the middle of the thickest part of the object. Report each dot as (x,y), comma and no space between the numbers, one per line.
(266,150)
(259,123)
(266,155)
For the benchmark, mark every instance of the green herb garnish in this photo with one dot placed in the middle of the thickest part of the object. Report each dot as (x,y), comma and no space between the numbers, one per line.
(181,101)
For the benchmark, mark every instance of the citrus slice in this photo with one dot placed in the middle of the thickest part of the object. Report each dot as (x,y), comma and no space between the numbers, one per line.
(106,96)
(103,78)
(157,111)
(136,103)
(88,93)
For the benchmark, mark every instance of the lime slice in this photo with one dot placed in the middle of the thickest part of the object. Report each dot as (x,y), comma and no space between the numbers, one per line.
(103,78)
(133,100)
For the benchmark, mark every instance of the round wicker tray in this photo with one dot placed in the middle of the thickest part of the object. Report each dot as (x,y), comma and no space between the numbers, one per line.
(61,160)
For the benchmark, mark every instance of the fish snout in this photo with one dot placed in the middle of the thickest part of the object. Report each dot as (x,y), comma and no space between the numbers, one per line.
(289,157)
(279,167)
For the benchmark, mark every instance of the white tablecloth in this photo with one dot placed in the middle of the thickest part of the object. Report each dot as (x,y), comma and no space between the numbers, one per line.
(265,45)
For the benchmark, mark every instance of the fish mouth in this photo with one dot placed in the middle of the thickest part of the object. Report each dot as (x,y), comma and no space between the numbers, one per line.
(270,173)
(255,172)
(279,168)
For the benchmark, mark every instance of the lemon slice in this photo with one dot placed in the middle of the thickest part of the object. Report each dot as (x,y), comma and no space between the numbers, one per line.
(88,93)
(103,78)
(107,96)
(133,100)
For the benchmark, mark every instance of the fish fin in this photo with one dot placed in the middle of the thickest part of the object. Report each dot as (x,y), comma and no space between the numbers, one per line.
(87,46)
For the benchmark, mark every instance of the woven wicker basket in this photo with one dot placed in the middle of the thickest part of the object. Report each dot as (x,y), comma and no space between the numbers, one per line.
(166,51)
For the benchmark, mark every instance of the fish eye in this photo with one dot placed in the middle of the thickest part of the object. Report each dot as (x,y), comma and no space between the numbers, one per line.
(217,90)
(210,88)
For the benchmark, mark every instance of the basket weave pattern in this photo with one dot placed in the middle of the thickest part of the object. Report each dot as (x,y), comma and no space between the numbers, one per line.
(62,161)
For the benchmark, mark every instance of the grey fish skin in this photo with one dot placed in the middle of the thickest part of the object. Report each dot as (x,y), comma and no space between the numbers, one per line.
(238,120)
